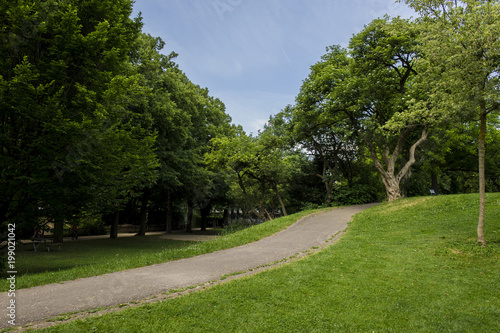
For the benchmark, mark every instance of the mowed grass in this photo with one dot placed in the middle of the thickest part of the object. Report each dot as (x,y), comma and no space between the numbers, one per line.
(407,266)
(84,258)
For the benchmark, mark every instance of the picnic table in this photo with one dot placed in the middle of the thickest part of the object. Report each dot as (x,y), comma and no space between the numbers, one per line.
(47,242)
(38,238)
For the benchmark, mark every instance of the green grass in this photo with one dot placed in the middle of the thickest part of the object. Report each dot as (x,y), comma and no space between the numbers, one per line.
(86,258)
(407,266)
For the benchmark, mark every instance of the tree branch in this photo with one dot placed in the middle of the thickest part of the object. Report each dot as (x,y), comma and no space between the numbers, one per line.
(411,160)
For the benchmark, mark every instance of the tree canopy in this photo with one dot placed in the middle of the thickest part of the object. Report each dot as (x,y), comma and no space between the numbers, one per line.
(98,124)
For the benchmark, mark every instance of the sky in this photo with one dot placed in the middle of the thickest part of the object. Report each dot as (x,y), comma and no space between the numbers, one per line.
(254,54)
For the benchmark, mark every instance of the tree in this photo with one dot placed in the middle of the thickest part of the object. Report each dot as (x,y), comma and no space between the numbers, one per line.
(329,140)
(384,56)
(362,91)
(261,167)
(185,117)
(69,139)
(461,51)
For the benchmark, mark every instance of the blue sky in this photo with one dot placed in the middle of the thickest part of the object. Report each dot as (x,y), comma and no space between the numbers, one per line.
(254,54)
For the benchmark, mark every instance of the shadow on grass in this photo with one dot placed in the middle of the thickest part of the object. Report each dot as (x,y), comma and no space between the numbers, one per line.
(91,252)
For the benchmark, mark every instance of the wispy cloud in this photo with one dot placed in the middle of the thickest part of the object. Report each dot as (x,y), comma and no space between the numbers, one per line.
(252,109)
(253,53)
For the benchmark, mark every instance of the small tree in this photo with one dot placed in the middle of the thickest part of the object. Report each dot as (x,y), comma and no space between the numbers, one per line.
(461,49)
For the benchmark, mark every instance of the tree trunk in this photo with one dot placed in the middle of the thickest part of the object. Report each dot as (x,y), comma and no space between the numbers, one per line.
(391,187)
(58,230)
(113,233)
(143,215)
(389,177)
(189,223)
(329,192)
(232,216)
(205,211)
(283,209)
(225,217)
(482,179)
(328,181)
(248,201)
(170,213)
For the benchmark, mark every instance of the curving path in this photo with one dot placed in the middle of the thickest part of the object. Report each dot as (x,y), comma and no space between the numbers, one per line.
(40,303)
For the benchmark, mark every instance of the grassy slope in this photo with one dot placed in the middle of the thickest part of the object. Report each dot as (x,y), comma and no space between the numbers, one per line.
(408,266)
(95,257)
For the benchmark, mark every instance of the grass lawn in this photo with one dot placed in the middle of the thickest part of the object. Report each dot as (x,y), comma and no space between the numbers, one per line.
(407,266)
(85,258)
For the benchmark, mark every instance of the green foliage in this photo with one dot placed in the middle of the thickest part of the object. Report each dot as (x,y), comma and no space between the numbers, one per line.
(354,195)
(461,68)
(261,167)
(185,118)
(95,119)
(69,139)
(91,226)
(349,104)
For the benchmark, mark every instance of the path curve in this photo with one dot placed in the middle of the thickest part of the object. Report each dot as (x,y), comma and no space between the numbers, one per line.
(40,303)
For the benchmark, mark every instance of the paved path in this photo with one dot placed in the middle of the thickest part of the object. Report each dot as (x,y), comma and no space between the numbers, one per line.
(40,303)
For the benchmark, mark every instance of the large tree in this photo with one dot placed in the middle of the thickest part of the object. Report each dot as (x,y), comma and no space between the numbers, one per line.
(368,87)
(185,117)
(383,69)
(69,138)
(461,52)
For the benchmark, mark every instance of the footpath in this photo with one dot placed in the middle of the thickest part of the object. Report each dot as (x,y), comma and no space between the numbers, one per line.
(41,303)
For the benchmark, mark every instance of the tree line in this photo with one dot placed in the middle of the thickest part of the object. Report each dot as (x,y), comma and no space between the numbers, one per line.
(98,124)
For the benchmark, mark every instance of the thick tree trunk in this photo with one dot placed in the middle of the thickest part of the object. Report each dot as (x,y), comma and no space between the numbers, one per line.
(328,181)
(392,187)
(113,233)
(248,201)
(143,215)
(205,211)
(58,230)
(482,179)
(390,178)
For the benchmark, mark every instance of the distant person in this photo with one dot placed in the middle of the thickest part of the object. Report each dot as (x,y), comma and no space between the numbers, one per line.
(74,232)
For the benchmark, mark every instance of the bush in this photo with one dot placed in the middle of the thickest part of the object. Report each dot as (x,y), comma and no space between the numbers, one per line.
(92,226)
(236,225)
(356,195)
